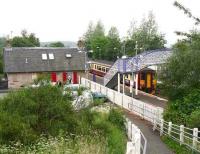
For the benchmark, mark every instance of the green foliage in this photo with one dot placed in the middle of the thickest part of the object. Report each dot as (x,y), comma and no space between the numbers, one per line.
(176,147)
(181,80)
(25,40)
(108,47)
(42,78)
(115,117)
(56,44)
(146,35)
(179,111)
(26,114)
(182,73)
(194,121)
(80,90)
(60,145)
(97,101)
(106,125)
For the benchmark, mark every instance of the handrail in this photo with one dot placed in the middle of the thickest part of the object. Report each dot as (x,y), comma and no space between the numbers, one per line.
(183,135)
(144,148)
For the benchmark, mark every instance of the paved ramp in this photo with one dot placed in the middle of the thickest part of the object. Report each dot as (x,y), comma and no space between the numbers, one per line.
(154,142)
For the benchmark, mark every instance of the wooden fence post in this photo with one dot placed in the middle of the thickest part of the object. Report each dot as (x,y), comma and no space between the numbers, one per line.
(169,128)
(195,135)
(161,127)
(181,134)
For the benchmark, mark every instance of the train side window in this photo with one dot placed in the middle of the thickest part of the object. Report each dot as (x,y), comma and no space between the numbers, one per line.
(95,66)
(107,69)
(103,69)
(99,67)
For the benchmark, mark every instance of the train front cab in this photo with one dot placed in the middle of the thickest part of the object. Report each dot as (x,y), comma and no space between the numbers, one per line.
(146,80)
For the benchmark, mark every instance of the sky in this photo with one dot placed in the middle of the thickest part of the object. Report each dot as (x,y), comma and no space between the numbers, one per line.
(67,20)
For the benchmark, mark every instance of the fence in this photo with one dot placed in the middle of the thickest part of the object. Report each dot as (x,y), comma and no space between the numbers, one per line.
(137,142)
(181,134)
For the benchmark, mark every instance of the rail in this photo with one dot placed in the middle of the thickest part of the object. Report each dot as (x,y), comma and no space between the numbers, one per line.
(183,135)
(138,142)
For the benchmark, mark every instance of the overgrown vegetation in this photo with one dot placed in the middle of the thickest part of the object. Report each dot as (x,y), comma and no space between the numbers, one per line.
(181,78)
(175,146)
(42,120)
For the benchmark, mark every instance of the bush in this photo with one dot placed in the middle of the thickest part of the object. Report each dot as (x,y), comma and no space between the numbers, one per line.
(116,117)
(179,111)
(26,114)
(98,101)
(194,121)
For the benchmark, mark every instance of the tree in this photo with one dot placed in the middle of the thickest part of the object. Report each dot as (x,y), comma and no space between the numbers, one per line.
(25,40)
(56,44)
(88,36)
(187,12)
(96,40)
(146,35)
(2,45)
(113,44)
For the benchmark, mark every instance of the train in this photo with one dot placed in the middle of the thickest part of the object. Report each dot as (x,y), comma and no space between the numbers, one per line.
(146,77)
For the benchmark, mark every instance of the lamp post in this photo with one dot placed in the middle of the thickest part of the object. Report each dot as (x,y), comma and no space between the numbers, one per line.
(99,51)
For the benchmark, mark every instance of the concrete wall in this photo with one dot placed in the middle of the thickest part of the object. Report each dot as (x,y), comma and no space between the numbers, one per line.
(17,80)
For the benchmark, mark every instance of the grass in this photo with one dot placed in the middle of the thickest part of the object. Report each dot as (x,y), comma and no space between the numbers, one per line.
(58,145)
(176,147)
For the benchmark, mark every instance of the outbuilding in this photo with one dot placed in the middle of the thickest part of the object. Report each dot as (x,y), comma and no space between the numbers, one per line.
(23,65)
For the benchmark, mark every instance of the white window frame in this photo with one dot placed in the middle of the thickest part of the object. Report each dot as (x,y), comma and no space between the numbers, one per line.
(68,55)
(51,56)
(44,56)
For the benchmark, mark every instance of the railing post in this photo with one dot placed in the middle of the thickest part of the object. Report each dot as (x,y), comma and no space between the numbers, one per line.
(169,128)
(181,134)
(113,96)
(154,124)
(143,111)
(195,135)
(161,127)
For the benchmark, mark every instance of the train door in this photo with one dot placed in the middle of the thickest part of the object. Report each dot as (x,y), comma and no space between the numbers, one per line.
(148,80)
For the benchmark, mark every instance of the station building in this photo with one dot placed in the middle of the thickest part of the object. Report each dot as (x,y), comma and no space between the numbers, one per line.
(23,65)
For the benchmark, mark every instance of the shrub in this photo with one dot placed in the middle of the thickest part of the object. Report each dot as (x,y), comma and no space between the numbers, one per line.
(26,114)
(179,111)
(116,117)
(98,101)
(194,120)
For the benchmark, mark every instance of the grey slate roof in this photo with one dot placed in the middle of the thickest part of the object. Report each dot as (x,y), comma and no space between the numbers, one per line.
(15,60)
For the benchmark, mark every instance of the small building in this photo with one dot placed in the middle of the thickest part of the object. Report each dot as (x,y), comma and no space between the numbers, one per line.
(23,65)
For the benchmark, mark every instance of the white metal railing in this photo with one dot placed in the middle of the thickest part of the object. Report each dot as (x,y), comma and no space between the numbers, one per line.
(137,142)
(153,114)
(111,73)
(183,135)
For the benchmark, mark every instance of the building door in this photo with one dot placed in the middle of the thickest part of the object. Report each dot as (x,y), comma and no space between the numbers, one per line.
(64,74)
(75,78)
(53,77)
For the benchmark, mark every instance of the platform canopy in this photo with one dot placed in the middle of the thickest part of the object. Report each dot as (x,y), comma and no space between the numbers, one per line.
(143,60)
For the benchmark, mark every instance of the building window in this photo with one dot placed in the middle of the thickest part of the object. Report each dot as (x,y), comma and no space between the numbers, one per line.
(51,56)
(44,56)
(68,55)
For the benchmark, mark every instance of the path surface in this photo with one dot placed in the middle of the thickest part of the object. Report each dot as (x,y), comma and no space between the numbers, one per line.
(154,143)
(141,96)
